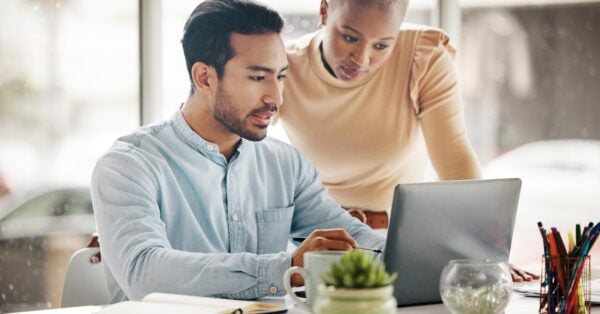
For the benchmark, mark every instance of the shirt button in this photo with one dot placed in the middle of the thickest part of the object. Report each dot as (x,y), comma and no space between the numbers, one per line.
(273,290)
(210,147)
(235,217)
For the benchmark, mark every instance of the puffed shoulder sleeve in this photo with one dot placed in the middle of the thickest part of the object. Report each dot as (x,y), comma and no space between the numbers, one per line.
(437,101)
(433,77)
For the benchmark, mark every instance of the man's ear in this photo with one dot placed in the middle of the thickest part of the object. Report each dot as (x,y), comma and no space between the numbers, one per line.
(204,77)
(323,12)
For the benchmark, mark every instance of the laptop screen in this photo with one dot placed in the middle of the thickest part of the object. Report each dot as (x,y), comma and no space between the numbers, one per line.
(433,223)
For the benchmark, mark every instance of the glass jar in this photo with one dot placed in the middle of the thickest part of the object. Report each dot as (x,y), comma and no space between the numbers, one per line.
(476,286)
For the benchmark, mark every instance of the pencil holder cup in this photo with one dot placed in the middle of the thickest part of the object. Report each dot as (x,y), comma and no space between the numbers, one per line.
(565,285)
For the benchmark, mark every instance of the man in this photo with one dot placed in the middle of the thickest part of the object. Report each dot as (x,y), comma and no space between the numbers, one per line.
(203,204)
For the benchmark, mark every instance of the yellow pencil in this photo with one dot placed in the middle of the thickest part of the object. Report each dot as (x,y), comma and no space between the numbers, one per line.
(571,241)
(580,298)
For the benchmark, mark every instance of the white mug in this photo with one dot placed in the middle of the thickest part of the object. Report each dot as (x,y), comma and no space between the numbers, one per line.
(315,264)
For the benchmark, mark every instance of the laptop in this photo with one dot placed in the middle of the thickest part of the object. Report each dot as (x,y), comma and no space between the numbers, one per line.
(433,223)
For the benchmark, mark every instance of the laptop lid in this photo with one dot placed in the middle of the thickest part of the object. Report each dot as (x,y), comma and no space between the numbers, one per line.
(433,223)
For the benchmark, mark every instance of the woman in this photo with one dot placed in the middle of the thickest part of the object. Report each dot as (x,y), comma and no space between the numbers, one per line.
(366,101)
(361,97)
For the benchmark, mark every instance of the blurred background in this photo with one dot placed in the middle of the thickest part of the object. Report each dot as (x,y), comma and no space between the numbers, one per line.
(76,74)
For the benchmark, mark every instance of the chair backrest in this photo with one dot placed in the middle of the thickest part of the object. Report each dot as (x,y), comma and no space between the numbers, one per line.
(85,283)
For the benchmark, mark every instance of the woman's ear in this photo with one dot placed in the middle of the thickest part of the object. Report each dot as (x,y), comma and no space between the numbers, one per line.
(203,77)
(323,12)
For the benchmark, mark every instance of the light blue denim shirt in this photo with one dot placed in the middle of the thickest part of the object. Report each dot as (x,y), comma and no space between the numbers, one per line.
(174,216)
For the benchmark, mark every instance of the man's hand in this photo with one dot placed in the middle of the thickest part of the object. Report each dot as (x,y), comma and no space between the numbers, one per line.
(519,275)
(321,240)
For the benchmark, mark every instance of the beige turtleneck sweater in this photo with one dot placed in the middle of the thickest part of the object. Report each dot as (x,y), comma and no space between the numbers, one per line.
(366,137)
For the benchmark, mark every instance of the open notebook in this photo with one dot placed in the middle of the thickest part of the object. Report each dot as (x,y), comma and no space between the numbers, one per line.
(184,304)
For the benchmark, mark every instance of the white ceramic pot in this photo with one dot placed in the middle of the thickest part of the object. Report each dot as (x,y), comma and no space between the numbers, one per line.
(332,300)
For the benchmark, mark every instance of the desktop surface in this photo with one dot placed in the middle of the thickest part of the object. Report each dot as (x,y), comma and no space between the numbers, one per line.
(518,304)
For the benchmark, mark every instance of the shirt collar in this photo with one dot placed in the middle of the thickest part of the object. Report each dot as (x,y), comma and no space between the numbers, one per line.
(196,141)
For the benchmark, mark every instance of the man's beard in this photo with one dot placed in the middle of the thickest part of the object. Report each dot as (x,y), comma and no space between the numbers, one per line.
(226,112)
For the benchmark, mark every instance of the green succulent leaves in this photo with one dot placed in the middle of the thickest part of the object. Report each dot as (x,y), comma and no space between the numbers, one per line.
(355,270)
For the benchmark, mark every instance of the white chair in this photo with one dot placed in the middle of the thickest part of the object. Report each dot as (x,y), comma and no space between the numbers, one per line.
(85,283)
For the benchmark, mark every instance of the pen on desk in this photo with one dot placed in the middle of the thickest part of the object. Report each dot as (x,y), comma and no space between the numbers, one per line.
(300,239)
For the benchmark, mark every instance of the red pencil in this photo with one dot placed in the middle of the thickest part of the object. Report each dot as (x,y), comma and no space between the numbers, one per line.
(556,263)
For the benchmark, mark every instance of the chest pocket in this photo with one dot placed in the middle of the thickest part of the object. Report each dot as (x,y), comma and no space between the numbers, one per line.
(274,226)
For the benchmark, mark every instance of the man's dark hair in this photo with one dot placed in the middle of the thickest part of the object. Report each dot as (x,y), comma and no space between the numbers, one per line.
(206,36)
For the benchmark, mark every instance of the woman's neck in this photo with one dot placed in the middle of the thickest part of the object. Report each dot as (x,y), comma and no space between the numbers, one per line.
(329,69)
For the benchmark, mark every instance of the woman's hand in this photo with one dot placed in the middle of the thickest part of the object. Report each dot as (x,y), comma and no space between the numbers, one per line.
(519,275)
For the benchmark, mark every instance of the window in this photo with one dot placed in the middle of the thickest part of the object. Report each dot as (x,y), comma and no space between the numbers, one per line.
(529,71)
(69,86)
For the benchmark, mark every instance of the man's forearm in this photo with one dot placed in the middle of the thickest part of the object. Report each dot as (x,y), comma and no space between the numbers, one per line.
(230,275)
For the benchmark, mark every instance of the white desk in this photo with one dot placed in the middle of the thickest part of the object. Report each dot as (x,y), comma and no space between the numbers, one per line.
(518,305)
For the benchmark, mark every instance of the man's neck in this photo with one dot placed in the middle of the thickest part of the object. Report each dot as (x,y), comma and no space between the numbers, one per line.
(201,121)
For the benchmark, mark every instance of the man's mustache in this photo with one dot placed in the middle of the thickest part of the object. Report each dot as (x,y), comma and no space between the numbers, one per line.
(266,108)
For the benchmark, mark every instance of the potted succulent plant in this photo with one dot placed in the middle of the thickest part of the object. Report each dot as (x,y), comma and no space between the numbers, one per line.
(357,283)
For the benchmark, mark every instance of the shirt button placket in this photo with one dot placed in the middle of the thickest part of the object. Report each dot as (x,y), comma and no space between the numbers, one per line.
(273,289)
(236,238)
